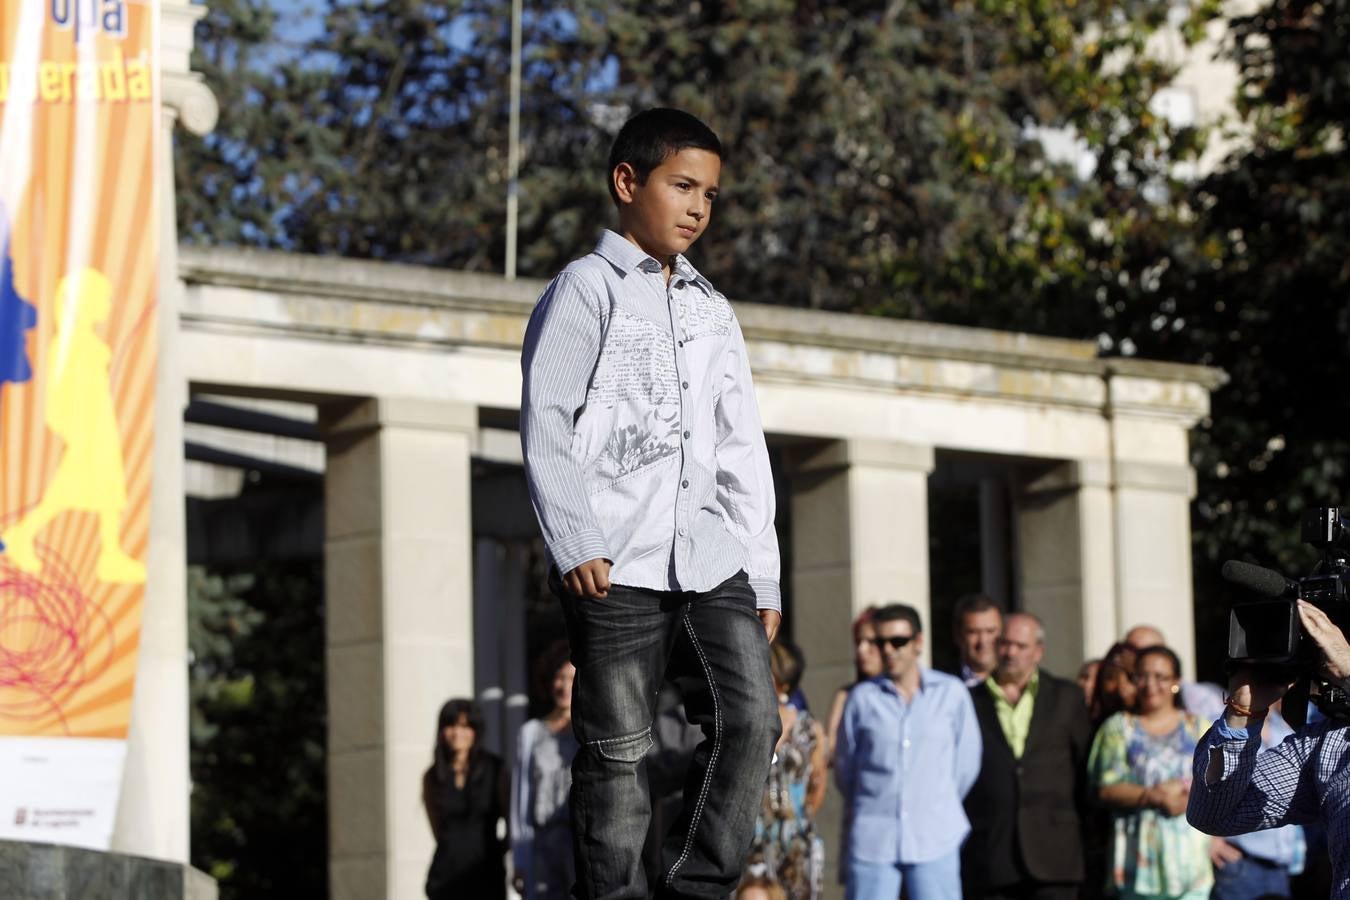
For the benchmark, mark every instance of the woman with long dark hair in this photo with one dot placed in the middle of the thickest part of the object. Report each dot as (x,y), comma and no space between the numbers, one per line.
(1115,689)
(464,793)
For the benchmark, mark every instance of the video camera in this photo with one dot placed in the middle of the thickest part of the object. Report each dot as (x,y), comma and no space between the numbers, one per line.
(1265,632)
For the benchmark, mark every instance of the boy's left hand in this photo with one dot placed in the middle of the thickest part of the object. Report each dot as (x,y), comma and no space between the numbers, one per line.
(771,618)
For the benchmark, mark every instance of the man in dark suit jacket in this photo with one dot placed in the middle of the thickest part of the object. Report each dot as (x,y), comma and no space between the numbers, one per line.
(1025,841)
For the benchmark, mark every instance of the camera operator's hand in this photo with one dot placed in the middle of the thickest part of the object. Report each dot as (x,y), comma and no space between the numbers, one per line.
(1331,640)
(1253,689)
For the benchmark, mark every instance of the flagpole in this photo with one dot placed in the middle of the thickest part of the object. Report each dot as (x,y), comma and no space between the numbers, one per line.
(513,144)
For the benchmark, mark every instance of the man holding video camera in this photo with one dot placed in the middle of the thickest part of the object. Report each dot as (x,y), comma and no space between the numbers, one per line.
(1304,780)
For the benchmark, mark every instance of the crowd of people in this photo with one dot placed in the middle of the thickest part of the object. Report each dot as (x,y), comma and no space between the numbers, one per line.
(998,780)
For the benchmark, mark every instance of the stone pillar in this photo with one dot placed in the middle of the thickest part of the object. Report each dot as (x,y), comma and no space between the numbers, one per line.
(1153,555)
(859,538)
(1066,557)
(153,809)
(1151,417)
(399,627)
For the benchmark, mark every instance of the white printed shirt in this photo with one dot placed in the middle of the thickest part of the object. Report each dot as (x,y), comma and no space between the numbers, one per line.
(640,430)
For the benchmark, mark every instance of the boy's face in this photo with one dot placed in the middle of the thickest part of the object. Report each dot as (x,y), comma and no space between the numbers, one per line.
(665,214)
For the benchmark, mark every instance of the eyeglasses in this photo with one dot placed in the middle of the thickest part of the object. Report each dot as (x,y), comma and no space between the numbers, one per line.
(896,642)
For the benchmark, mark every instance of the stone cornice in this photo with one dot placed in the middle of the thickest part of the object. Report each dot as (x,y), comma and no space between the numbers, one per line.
(359,301)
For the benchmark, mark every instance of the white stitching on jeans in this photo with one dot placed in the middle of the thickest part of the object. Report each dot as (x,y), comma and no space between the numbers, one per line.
(712,758)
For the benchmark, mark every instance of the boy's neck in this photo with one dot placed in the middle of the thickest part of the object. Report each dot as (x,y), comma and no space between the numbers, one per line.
(667,264)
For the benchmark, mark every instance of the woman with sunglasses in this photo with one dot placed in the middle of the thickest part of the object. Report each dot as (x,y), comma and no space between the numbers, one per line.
(1140,766)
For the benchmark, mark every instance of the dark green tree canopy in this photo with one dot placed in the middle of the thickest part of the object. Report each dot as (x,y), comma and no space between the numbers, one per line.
(881,156)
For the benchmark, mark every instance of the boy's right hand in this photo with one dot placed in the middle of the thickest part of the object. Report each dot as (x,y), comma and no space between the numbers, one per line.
(590,579)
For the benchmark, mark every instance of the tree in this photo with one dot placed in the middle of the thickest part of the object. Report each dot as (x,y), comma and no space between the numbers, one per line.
(256,680)
(881,156)
(1260,287)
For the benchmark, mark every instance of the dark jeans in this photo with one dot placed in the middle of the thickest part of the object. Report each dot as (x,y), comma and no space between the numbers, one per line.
(1247,879)
(623,647)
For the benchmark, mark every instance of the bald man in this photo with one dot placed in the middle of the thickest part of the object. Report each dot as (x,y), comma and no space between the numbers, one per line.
(1199,697)
(1025,841)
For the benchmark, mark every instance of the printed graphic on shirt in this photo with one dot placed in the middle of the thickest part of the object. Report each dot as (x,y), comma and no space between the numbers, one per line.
(632,447)
(637,372)
(702,315)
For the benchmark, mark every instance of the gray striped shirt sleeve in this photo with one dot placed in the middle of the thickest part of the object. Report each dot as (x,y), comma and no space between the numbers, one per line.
(744,478)
(562,345)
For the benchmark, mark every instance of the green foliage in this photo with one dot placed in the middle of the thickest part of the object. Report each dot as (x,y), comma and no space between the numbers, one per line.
(881,156)
(1261,289)
(256,681)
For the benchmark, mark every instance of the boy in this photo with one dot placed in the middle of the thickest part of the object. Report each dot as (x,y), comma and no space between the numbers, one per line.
(649,476)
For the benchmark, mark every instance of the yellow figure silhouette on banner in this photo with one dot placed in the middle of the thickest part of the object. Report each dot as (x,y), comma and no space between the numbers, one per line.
(90,477)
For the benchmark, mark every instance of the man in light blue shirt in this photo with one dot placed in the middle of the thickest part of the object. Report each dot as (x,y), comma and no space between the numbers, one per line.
(909,751)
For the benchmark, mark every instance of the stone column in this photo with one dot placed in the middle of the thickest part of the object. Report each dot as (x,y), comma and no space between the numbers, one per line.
(1066,556)
(859,539)
(1153,541)
(1151,414)
(153,809)
(399,627)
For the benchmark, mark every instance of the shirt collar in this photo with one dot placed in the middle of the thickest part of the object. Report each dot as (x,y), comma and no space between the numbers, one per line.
(623,254)
(684,269)
(925,681)
(1033,686)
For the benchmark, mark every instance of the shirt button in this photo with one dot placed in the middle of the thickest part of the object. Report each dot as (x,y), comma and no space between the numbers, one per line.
(685,483)
(681,343)
(683,532)
(685,385)
(686,435)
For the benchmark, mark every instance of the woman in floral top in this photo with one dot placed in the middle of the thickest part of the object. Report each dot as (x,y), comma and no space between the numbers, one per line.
(1140,766)
(786,848)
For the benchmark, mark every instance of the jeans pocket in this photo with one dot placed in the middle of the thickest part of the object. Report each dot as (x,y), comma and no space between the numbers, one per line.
(627,749)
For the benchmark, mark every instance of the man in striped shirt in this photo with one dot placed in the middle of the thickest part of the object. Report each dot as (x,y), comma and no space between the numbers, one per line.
(649,475)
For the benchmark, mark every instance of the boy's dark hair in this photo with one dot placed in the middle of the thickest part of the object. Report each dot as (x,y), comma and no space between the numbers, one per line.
(653,136)
(893,611)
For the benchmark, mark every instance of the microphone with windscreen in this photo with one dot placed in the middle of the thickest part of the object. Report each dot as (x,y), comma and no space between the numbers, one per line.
(1260,580)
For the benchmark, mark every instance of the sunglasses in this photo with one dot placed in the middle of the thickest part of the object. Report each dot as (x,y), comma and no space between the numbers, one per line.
(896,642)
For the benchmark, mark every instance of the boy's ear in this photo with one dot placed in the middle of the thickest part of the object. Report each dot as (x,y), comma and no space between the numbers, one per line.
(626,181)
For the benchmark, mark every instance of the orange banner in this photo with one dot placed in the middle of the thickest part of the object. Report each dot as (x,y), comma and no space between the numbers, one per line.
(79,257)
